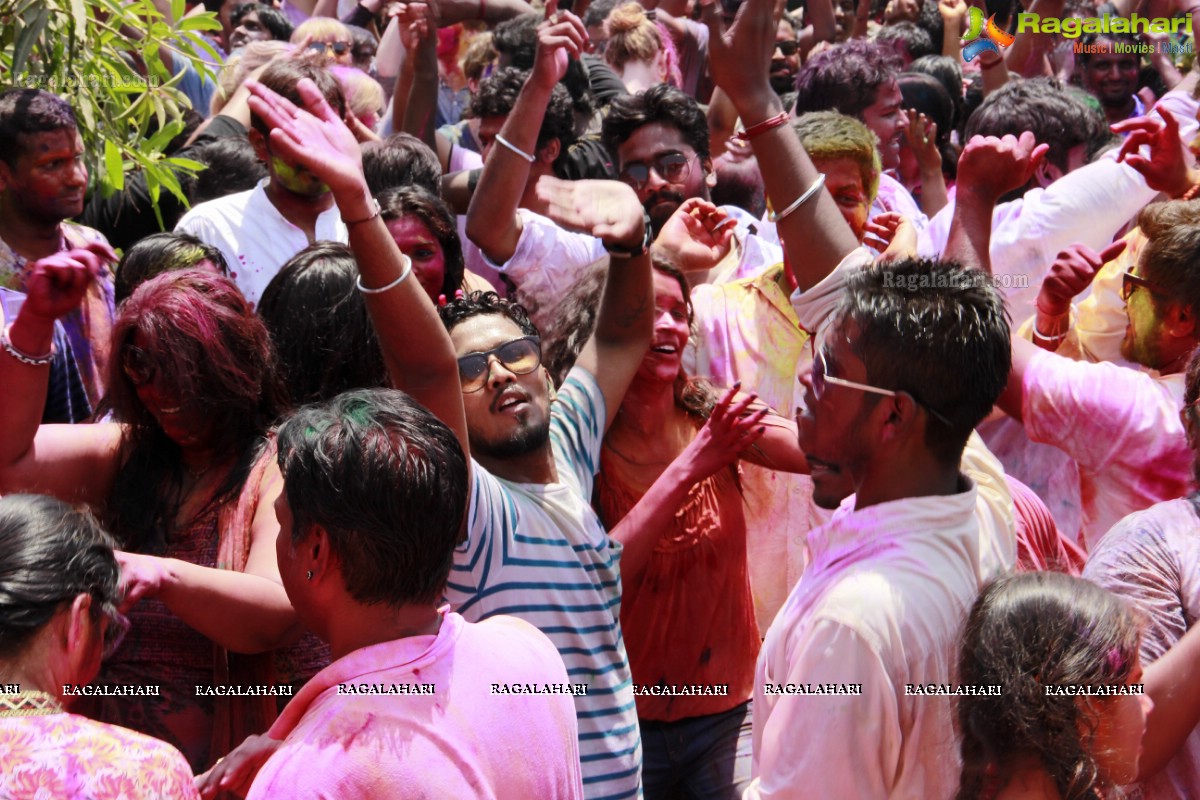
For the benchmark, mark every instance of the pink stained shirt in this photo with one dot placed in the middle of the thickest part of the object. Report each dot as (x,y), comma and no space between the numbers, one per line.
(1120,425)
(471,736)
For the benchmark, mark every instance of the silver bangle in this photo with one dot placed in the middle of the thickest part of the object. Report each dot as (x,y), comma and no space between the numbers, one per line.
(24,358)
(403,276)
(1049,339)
(809,192)
(514,148)
(404,273)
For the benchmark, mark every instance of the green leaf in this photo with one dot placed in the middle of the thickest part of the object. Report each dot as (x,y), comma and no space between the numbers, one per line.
(79,19)
(27,39)
(199,22)
(113,165)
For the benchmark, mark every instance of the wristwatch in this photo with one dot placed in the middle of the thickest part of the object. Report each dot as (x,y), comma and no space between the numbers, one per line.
(640,250)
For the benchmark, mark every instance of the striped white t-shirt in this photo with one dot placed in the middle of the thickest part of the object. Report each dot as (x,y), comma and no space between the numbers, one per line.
(539,552)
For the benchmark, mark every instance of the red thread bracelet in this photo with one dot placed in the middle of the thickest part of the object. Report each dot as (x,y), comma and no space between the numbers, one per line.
(1191,193)
(770,123)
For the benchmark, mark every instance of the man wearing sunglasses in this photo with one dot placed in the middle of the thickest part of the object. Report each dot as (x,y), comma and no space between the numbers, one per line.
(532,545)
(903,379)
(1120,425)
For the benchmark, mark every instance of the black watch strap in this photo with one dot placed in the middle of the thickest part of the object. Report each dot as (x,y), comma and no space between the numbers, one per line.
(640,250)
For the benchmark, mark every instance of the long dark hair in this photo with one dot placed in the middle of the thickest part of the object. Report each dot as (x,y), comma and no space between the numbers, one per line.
(1027,632)
(205,341)
(319,323)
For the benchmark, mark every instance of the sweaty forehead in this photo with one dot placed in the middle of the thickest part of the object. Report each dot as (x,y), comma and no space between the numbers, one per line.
(483,332)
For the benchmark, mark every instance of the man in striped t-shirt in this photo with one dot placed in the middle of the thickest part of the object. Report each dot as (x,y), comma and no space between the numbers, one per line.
(533,547)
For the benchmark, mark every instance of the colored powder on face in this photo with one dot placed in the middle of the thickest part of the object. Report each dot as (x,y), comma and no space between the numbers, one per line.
(297,179)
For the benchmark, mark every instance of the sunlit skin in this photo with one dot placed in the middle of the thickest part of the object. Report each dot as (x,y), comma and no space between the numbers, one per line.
(830,430)
(510,416)
(658,197)
(844,182)
(884,118)
(416,241)
(663,358)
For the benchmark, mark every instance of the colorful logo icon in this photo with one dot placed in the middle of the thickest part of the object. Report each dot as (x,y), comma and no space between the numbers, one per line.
(981,36)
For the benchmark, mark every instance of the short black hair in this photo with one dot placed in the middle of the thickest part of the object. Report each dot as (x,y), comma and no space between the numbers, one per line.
(846,78)
(230,166)
(916,39)
(158,253)
(387,481)
(939,332)
(401,160)
(663,104)
(498,95)
(26,112)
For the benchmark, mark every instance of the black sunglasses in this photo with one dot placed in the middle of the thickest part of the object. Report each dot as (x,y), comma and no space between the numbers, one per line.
(789,47)
(520,357)
(138,366)
(671,167)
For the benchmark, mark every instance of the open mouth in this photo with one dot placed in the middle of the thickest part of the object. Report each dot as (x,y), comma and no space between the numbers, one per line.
(509,401)
(665,349)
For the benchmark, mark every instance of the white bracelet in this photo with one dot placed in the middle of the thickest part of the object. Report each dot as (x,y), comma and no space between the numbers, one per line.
(24,358)
(514,148)
(809,192)
(404,273)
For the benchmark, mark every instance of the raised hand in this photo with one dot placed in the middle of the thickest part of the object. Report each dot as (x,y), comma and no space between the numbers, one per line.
(953,12)
(1071,273)
(697,236)
(141,576)
(894,235)
(608,210)
(235,772)
(921,135)
(313,137)
(991,166)
(58,283)
(561,37)
(1166,169)
(731,428)
(418,24)
(740,58)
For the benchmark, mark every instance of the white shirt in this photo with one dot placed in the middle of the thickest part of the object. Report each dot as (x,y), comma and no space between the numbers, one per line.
(1150,558)
(881,604)
(1087,206)
(1120,425)
(254,237)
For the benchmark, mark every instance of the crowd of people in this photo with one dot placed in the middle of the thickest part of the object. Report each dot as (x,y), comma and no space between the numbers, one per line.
(676,399)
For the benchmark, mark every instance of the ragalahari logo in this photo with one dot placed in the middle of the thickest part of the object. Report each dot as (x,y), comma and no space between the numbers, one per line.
(981,36)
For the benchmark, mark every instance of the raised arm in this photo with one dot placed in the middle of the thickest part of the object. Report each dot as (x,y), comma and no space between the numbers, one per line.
(732,428)
(76,463)
(415,98)
(610,211)
(987,169)
(814,234)
(492,220)
(416,348)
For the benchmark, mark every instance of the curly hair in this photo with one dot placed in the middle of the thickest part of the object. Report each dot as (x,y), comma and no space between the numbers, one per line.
(475,304)
(1026,632)
(498,95)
